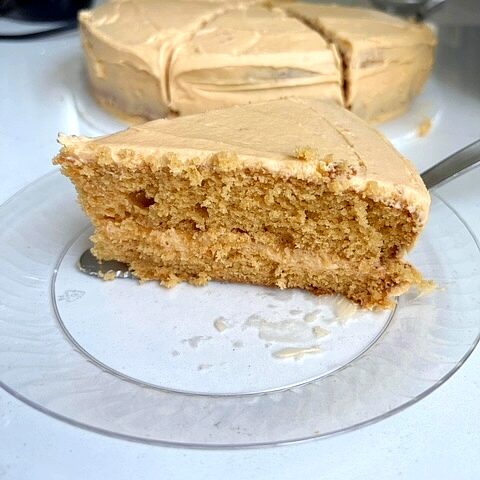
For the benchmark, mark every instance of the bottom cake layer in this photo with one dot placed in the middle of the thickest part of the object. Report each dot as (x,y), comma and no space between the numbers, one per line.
(171,256)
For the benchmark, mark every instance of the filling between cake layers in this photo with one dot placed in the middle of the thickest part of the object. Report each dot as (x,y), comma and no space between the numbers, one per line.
(194,221)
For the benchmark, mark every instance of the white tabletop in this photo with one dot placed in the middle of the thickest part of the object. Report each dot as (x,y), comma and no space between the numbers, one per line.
(435,438)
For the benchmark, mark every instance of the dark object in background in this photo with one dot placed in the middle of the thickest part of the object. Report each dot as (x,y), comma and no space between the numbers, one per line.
(418,9)
(42,11)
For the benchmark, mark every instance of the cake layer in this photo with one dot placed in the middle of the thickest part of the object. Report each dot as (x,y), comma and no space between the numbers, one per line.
(173,256)
(252,54)
(386,59)
(306,139)
(270,208)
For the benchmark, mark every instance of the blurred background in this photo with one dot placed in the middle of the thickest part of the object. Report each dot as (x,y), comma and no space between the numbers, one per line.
(460,11)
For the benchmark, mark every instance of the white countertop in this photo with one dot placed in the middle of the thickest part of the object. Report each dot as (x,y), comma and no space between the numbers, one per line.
(435,438)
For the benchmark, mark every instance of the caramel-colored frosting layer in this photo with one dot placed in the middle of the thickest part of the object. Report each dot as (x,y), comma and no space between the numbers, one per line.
(306,139)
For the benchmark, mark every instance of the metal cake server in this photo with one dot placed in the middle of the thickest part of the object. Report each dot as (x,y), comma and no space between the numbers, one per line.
(440,173)
(88,263)
(452,166)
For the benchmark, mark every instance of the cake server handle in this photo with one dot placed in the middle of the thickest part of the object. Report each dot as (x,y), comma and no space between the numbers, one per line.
(452,166)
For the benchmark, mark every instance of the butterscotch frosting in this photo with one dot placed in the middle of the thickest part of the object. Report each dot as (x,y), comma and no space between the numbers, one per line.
(306,139)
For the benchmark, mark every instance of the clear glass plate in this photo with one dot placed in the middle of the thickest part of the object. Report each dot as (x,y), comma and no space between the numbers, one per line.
(198,366)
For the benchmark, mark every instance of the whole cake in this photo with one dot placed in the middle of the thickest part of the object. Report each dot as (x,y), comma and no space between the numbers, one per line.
(147,58)
(292,192)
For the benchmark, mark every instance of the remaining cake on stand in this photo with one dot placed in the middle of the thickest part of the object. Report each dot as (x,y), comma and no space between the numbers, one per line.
(292,193)
(147,58)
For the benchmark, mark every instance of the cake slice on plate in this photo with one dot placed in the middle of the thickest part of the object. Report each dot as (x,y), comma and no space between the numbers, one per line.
(292,193)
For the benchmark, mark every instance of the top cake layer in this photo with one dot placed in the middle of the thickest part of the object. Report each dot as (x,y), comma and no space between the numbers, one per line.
(303,138)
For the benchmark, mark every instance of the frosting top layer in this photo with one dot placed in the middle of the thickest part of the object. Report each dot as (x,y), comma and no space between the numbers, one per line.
(256,30)
(135,22)
(302,138)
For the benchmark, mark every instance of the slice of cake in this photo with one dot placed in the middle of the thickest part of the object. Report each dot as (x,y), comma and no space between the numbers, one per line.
(252,54)
(292,193)
(387,60)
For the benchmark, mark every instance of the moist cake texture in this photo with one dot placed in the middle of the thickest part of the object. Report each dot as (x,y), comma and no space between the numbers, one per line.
(147,58)
(288,193)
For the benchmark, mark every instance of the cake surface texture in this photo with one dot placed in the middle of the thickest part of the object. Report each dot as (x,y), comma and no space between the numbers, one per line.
(149,58)
(289,193)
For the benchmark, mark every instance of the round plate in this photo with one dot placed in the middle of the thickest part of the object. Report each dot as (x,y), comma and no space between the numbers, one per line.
(223,365)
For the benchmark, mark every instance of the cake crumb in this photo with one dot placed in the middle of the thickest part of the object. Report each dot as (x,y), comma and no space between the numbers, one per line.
(306,153)
(107,276)
(221,324)
(424,127)
(344,309)
(204,366)
(171,281)
(311,316)
(195,341)
(296,352)
(426,287)
(320,332)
